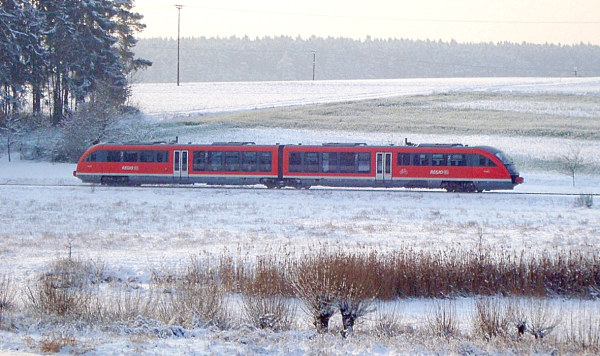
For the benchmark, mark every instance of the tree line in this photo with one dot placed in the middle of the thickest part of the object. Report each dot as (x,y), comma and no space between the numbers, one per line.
(56,55)
(287,58)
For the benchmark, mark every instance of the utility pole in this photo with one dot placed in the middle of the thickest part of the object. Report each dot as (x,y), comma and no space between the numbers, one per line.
(314,62)
(178,32)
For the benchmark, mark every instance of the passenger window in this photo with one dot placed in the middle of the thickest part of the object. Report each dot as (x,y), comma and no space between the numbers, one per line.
(458,160)
(162,156)
(199,161)
(215,161)
(347,162)
(295,161)
(311,162)
(232,161)
(113,156)
(249,161)
(420,159)
(147,156)
(130,156)
(403,159)
(265,161)
(438,159)
(329,162)
(485,162)
(364,162)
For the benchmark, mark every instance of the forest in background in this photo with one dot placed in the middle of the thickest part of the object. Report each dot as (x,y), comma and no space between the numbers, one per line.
(286,58)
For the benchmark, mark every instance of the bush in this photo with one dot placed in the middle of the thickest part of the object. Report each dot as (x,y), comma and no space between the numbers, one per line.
(491,318)
(65,290)
(7,295)
(268,312)
(585,201)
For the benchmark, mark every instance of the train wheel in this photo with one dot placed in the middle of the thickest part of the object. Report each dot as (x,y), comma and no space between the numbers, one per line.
(459,187)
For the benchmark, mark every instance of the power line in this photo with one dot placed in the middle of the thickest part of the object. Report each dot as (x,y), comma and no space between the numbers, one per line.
(383,18)
(397,19)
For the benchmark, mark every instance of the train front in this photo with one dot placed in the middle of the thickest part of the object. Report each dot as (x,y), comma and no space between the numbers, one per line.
(510,166)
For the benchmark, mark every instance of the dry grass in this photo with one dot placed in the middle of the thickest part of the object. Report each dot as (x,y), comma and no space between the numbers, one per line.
(441,114)
(198,295)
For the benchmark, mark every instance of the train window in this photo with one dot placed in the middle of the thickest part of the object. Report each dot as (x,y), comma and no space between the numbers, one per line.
(113,156)
(199,161)
(458,160)
(249,161)
(482,161)
(214,160)
(232,161)
(311,162)
(403,159)
(439,159)
(147,156)
(364,163)
(130,156)
(92,157)
(347,162)
(421,159)
(296,161)
(265,161)
(329,162)
(162,156)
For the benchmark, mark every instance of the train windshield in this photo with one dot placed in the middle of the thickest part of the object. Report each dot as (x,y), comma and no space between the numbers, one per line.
(504,158)
(508,162)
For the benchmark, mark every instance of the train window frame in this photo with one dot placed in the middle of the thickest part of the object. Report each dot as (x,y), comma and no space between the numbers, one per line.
(295,161)
(114,156)
(330,162)
(363,162)
(130,156)
(439,159)
(265,161)
(214,161)
(199,161)
(311,162)
(249,161)
(421,159)
(162,156)
(345,166)
(232,161)
(457,159)
(403,159)
(147,156)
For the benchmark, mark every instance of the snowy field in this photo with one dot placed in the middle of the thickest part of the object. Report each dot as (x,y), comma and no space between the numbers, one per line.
(166,100)
(133,230)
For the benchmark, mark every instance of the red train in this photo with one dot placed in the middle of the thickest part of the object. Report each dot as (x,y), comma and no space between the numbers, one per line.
(454,167)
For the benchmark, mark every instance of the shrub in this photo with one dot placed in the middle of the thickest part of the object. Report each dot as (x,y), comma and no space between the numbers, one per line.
(268,312)
(491,318)
(64,290)
(441,320)
(585,201)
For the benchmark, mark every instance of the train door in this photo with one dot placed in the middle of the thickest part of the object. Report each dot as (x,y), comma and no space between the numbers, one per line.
(180,164)
(383,167)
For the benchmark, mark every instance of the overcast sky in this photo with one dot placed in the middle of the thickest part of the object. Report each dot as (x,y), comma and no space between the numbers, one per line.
(537,21)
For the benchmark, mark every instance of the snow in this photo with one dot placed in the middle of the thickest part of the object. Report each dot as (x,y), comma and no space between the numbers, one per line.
(133,230)
(168,101)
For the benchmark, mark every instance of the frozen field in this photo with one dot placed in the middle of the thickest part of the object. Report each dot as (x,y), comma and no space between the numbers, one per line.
(133,230)
(166,100)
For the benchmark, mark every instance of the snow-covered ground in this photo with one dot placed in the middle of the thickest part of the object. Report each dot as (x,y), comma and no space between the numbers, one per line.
(167,101)
(133,230)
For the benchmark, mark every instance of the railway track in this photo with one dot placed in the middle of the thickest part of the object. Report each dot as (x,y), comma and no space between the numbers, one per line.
(316,188)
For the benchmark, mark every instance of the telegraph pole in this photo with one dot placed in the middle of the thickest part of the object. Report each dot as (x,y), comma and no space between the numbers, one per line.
(178,32)
(314,62)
